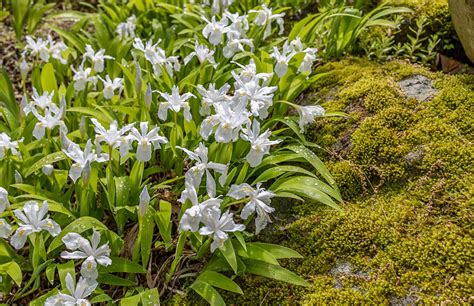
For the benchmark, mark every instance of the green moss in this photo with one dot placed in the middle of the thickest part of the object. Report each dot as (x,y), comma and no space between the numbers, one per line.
(348,178)
(406,170)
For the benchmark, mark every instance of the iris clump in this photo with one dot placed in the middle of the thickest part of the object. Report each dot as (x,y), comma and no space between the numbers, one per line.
(142,162)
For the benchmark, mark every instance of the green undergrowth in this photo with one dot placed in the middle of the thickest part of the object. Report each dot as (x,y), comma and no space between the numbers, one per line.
(406,170)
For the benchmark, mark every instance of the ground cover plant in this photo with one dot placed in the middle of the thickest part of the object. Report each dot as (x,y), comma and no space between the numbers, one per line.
(148,144)
(405,170)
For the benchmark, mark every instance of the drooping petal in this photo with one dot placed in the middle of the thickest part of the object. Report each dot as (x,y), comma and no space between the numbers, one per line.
(143,151)
(71,241)
(75,172)
(74,255)
(89,269)
(51,226)
(18,240)
(104,260)
(5,228)
(248,209)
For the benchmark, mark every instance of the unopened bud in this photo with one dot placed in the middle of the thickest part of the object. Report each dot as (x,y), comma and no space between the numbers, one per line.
(18,178)
(138,78)
(24,69)
(82,127)
(148,96)
(48,169)
(144,202)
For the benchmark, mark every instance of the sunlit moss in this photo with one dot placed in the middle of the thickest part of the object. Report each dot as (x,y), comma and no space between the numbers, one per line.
(405,168)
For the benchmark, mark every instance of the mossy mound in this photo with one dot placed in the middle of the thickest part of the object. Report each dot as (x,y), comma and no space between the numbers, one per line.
(406,170)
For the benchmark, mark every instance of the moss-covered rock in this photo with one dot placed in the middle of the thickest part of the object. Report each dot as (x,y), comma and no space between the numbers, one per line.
(406,169)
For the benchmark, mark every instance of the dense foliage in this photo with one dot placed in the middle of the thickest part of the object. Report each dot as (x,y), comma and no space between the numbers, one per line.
(136,103)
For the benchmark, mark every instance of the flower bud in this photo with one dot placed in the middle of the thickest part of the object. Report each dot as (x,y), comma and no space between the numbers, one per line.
(24,69)
(48,169)
(83,128)
(18,178)
(4,203)
(148,96)
(138,78)
(144,202)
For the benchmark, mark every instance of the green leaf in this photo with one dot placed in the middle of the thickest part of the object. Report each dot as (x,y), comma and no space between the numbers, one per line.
(147,228)
(96,113)
(48,79)
(273,271)
(13,270)
(123,265)
(220,281)
(309,187)
(71,37)
(315,161)
(109,279)
(229,254)
(257,253)
(65,269)
(208,293)
(100,299)
(49,159)
(50,271)
(278,251)
(163,221)
(150,297)
(277,171)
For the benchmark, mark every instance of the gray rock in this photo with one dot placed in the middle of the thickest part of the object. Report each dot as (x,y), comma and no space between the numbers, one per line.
(418,87)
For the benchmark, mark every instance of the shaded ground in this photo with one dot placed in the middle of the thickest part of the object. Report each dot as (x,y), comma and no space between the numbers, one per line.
(406,168)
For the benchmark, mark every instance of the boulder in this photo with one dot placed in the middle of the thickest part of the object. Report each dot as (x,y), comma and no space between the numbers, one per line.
(462,12)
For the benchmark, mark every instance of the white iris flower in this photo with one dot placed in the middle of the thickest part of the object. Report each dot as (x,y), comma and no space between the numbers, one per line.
(82,159)
(175,102)
(203,54)
(113,137)
(214,30)
(6,144)
(33,219)
(192,217)
(127,29)
(265,17)
(228,120)
(235,45)
(98,58)
(259,201)
(147,140)
(203,165)
(239,25)
(259,143)
(282,59)
(42,102)
(157,57)
(249,73)
(217,226)
(110,86)
(308,60)
(90,251)
(51,118)
(259,97)
(77,294)
(212,97)
(82,77)
(45,49)
(308,114)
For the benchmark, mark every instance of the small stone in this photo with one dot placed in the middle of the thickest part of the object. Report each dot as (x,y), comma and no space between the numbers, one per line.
(418,87)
